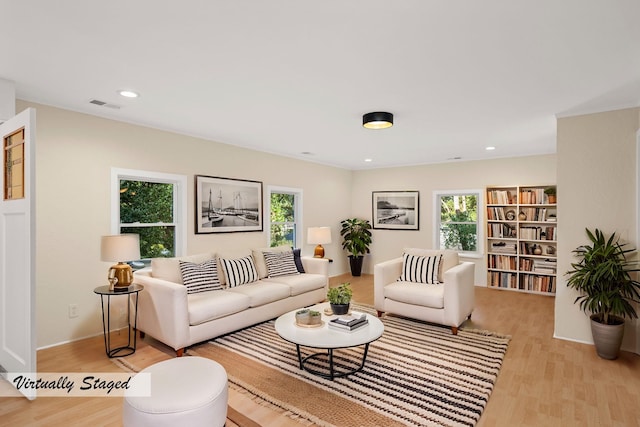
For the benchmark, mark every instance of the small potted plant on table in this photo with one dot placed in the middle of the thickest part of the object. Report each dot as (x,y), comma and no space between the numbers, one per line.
(340,298)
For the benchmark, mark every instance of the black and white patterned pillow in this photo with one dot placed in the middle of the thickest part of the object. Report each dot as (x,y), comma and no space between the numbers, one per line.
(420,269)
(200,277)
(239,271)
(280,263)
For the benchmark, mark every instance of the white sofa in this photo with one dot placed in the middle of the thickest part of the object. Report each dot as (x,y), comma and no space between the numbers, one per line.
(449,302)
(180,319)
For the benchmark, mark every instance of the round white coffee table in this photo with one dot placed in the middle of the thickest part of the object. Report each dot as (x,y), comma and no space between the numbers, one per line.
(324,337)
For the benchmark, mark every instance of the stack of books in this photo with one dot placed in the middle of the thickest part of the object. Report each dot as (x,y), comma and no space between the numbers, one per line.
(349,322)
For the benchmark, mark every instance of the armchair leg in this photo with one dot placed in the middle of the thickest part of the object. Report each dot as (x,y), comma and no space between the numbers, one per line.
(380,313)
(454,330)
(179,352)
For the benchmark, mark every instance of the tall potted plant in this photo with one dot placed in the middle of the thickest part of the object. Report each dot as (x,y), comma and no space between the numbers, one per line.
(356,237)
(603,277)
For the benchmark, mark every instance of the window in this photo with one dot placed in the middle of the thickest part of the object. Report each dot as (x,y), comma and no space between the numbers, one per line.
(458,220)
(152,205)
(285,205)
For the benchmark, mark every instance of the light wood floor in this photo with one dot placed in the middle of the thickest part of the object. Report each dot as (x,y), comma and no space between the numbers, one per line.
(543,381)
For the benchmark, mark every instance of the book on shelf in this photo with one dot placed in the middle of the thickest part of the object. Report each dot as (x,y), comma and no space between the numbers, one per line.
(510,248)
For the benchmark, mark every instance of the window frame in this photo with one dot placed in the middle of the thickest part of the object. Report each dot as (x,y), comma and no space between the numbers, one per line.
(179,183)
(297,211)
(437,195)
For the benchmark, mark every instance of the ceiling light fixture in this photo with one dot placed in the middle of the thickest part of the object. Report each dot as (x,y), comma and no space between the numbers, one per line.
(128,94)
(377,120)
(490,148)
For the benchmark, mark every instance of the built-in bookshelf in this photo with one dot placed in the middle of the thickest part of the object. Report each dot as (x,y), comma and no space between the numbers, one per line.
(521,238)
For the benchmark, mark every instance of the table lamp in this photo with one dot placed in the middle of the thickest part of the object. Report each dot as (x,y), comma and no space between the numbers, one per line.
(120,248)
(318,236)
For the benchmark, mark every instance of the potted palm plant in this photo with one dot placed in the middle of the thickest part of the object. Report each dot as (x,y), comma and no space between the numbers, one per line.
(356,237)
(340,298)
(603,277)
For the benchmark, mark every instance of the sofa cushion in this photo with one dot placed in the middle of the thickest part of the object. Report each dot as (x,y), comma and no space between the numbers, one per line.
(201,277)
(239,271)
(416,294)
(206,306)
(169,268)
(420,269)
(449,258)
(280,263)
(261,292)
(258,258)
(301,283)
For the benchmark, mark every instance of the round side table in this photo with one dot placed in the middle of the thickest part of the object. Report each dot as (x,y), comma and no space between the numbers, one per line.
(106,293)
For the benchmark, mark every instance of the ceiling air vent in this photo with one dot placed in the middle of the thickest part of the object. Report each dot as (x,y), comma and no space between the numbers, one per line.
(104,104)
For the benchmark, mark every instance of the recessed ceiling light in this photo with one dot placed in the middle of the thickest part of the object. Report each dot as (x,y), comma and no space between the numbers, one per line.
(490,148)
(128,94)
(368,160)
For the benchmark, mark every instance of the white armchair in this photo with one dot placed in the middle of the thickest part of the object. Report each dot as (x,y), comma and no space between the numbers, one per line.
(449,302)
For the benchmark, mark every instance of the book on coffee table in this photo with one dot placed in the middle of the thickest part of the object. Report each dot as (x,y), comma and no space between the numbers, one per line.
(350,319)
(349,322)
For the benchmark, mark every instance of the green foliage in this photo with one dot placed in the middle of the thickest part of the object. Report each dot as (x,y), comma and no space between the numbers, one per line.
(282,219)
(149,203)
(356,236)
(458,217)
(340,294)
(603,278)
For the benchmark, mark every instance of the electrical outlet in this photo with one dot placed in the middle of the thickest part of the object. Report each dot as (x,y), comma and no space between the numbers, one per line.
(73,311)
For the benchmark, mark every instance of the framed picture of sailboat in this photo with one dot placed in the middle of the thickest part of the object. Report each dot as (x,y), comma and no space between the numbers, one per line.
(226,205)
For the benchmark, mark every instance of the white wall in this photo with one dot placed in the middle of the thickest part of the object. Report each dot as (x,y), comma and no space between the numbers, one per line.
(596,178)
(596,189)
(74,157)
(471,175)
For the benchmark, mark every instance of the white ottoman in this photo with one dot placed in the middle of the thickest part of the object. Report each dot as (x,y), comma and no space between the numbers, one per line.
(189,391)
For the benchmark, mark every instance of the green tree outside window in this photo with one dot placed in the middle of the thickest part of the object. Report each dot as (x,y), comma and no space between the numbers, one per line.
(459,222)
(146,208)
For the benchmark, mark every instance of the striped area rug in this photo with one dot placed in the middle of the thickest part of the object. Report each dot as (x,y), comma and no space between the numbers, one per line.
(416,374)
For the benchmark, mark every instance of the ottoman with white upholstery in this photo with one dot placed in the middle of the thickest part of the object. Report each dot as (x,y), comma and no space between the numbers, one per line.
(190,391)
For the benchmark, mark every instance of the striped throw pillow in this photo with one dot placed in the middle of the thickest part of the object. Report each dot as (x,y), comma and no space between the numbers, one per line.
(420,269)
(280,263)
(200,277)
(239,271)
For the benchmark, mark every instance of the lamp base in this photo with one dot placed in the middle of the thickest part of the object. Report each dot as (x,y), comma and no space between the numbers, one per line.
(318,252)
(123,273)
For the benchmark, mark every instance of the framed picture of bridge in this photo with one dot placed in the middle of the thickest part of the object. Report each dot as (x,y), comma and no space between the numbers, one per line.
(226,205)
(396,210)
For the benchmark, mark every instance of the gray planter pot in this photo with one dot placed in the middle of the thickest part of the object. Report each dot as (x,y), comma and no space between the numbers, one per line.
(607,338)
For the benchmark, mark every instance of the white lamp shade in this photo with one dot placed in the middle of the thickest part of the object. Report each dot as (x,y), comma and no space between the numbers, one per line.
(120,248)
(318,235)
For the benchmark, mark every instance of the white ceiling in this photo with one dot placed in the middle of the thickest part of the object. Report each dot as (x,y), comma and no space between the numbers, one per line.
(295,76)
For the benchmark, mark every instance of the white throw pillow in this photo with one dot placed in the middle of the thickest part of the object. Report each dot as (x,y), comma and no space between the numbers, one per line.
(420,269)
(280,263)
(200,277)
(239,271)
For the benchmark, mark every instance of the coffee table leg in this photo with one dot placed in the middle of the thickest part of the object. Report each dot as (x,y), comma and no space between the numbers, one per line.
(299,357)
(330,353)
